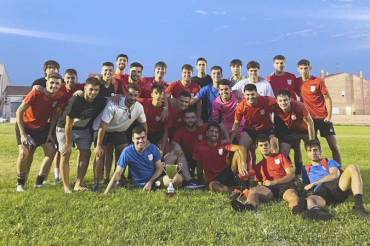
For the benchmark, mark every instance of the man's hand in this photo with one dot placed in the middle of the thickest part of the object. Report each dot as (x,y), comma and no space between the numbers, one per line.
(78,93)
(269,182)
(148,186)
(24,139)
(164,114)
(309,186)
(99,151)
(274,144)
(242,170)
(38,87)
(67,148)
(327,119)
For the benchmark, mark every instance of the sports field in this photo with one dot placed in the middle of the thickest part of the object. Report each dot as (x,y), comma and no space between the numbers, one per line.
(131,217)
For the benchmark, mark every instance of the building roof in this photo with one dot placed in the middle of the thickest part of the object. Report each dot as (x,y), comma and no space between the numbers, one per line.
(17,90)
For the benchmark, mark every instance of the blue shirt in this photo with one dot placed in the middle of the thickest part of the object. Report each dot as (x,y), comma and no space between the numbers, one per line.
(208,94)
(142,164)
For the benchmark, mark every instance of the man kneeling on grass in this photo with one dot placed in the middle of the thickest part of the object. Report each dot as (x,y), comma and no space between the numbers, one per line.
(326,179)
(275,175)
(145,164)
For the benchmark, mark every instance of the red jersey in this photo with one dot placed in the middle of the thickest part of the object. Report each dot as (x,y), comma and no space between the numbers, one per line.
(120,83)
(256,117)
(293,119)
(147,84)
(189,139)
(286,81)
(272,167)
(153,116)
(313,92)
(212,158)
(175,89)
(40,108)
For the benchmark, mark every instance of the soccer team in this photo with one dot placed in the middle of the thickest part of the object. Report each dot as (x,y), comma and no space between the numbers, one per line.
(209,125)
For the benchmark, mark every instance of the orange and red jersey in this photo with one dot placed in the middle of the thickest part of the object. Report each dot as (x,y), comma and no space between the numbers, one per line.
(294,119)
(272,167)
(175,88)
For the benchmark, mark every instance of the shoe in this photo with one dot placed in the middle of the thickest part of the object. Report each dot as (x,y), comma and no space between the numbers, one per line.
(20,188)
(192,185)
(96,188)
(38,186)
(106,181)
(235,194)
(240,204)
(317,213)
(301,207)
(361,212)
(57,180)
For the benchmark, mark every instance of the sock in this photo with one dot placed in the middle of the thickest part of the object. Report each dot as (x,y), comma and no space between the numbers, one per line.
(56,173)
(39,180)
(21,181)
(359,203)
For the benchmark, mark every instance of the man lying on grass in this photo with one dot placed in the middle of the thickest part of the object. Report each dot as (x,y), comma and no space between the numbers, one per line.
(145,164)
(326,179)
(275,175)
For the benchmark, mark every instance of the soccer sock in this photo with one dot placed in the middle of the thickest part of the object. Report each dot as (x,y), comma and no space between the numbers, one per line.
(56,173)
(39,180)
(359,203)
(21,180)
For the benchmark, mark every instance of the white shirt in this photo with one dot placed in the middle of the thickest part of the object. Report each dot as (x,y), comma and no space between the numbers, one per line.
(119,117)
(263,87)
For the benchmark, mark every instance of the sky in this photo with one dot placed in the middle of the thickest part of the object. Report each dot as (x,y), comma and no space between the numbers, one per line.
(333,34)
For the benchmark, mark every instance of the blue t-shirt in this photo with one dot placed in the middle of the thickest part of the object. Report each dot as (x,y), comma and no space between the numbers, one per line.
(208,94)
(142,164)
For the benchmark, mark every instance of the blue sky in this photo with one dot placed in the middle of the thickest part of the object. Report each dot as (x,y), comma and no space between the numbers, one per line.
(333,34)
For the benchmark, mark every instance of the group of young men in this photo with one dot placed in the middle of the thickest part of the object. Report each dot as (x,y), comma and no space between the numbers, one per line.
(208,125)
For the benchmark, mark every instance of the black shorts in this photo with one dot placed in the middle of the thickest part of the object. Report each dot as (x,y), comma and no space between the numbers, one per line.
(227,177)
(293,137)
(325,128)
(155,137)
(331,192)
(253,134)
(279,189)
(39,137)
(115,138)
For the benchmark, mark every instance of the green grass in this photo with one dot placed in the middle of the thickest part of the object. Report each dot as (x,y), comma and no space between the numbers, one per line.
(132,217)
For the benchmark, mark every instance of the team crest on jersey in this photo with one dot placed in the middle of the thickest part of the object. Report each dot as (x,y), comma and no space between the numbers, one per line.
(312,88)
(293,117)
(262,111)
(289,81)
(220,151)
(200,137)
(150,157)
(277,161)
(157,118)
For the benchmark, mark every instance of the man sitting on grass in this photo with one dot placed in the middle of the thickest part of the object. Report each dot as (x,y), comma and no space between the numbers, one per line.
(275,175)
(324,178)
(144,161)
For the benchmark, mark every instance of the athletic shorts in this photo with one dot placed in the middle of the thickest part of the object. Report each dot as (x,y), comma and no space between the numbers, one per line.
(227,177)
(39,137)
(325,128)
(115,138)
(253,134)
(331,192)
(81,138)
(279,189)
(155,137)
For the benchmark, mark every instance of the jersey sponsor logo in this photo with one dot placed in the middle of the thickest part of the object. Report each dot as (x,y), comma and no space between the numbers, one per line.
(150,157)
(289,81)
(277,161)
(262,111)
(312,88)
(293,117)
(220,151)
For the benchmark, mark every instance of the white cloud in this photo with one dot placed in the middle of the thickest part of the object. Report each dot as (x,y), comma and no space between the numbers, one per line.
(223,12)
(220,28)
(215,12)
(201,12)
(46,35)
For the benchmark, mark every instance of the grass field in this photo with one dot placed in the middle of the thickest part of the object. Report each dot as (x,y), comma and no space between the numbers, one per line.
(131,217)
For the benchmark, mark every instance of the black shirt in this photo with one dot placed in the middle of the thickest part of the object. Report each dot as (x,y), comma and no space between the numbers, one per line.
(207,80)
(82,112)
(106,91)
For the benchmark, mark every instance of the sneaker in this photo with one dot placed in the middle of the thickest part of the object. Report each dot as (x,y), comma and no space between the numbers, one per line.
(361,212)
(317,213)
(39,185)
(240,204)
(57,180)
(20,188)
(192,185)
(96,188)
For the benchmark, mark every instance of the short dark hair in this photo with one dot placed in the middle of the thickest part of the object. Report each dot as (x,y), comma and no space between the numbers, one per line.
(201,59)
(136,64)
(261,138)
(250,87)
(107,64)
(216,68)
(158,87)
(279,57)
(283,92)
(161,64)
(190,110)
(133,86)
(253,64)
(71,71)
(138,129)
(121,55)
(214,124)
(303,62)
(92,81)
(51,63)
(55,76)
(224,82)
(185,94)
(236,62)
(187,67)
(312,143)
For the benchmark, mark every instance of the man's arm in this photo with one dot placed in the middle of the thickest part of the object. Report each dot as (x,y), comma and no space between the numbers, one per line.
(329,107)
(116,176)
(240,150)
(100,137)
(68,134)
(333,174)
(158,171)
(234,129)
(290,175)
(19,119)
(310,126)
